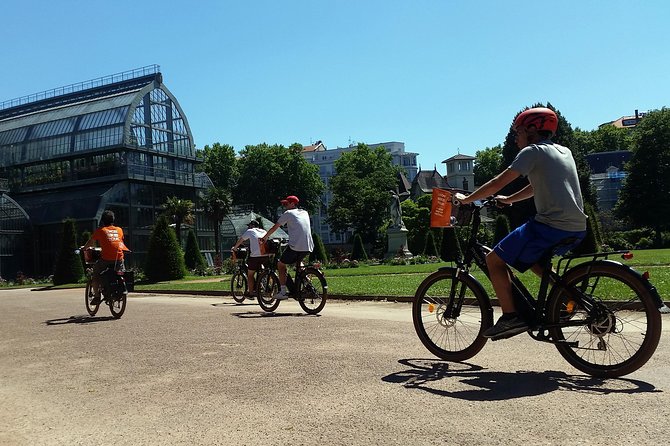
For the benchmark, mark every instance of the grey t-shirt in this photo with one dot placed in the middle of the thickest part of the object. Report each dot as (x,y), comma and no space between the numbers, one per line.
(299,229)
(552,172)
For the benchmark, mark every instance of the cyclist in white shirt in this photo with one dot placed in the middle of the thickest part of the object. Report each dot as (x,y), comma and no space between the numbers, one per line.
(300,242)
(257,256)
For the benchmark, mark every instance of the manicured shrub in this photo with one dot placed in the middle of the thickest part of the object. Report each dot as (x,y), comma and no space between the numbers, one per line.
(165,260)
(430,249)
(192,256)
(502,228)
(69,268)
(319,253)
(450,248)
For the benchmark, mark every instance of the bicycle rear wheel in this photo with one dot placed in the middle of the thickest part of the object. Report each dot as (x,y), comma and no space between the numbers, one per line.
(450,313)
(88,297)
(312,290)
(620,334)
(238,286)
(267,285)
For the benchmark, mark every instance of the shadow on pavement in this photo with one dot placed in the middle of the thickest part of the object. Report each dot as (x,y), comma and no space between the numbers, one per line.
(85,319)
(257,314)
(474,383)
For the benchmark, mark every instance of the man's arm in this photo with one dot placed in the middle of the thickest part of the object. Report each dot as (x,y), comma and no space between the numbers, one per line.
(270,231)
(490,187)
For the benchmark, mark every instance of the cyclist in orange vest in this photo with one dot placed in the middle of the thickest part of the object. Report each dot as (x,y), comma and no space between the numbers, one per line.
(110,239)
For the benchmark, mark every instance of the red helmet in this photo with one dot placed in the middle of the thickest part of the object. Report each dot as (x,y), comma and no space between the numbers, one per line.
(540,117)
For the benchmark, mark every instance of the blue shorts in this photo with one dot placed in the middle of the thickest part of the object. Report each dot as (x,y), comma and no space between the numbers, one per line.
(523,247)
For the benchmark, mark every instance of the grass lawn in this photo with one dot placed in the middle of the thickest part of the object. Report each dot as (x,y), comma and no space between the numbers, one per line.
(403,280)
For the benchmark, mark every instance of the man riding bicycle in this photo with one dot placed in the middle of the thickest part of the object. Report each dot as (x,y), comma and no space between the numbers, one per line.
(110,239)
(554,186)
(257,257)
(300,242)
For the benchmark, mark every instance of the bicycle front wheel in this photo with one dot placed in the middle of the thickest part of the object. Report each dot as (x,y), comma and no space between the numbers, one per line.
(312,291)
(117,305)
(620,334)
(450,313)
(267,285)
(88,297)
(238,286)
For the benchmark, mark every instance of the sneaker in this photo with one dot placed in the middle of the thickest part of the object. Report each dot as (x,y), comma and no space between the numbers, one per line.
(95,300)
(249,295)
(281,295)
(507,326)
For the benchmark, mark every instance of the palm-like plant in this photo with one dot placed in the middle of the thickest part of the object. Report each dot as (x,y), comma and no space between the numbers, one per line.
(181,211)
(217,203)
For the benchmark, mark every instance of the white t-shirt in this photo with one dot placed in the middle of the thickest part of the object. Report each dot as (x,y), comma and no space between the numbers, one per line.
(299,229)
(254,235)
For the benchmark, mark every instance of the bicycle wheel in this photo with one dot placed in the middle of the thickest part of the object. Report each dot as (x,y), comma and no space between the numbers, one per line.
(117,305)
(620,334)
(238,286)
(450,312)
(312,290)
(88,297)
(267,286)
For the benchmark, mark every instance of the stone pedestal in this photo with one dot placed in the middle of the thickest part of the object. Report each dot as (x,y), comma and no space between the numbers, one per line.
(397,243)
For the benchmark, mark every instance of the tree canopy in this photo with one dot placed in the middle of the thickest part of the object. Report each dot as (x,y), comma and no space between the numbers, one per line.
(487,164)
(360,189)
(180,211)
(220,164)
(268,173)
(644,199)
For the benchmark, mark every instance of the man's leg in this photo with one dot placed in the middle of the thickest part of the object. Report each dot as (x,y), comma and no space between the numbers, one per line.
(509,323)
(250,280)
(501,281)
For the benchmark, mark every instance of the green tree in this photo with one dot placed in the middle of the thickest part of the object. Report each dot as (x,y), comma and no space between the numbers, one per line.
(604,139)
(165,259)
(361,191)
(487,164)
(68,268)
(220,165)
(270,173)
(416,216)
(644,199)
(180,211)
(192,256)
(358,251)
(319,252)
(217,204)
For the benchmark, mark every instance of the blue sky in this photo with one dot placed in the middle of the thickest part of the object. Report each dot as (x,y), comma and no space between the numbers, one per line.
(440,76)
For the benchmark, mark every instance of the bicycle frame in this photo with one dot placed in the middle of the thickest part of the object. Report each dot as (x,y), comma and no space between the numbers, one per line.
(533,309)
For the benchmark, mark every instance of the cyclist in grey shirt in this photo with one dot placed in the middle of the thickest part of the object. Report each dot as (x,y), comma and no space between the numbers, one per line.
(560,222)
(300,242)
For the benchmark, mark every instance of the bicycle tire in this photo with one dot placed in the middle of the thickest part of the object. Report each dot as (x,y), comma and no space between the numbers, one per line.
(92,310)
(267,286)
(238,286)
(117,306)
(451,338)
(312,290)
(623,337)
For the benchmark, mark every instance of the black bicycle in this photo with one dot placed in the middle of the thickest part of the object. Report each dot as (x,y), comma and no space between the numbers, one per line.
(309,288)
(113,292)
(602,316)
(238,281)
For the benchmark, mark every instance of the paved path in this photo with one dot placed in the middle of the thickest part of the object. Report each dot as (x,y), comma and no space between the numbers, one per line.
(183,370)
